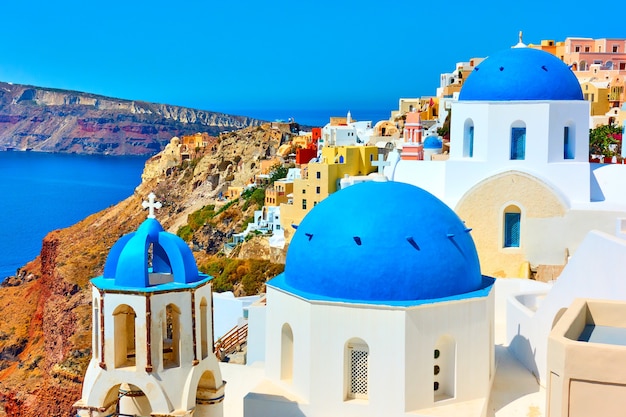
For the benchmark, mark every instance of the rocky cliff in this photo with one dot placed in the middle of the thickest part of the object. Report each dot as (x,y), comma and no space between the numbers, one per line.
(48,120)
(45,311)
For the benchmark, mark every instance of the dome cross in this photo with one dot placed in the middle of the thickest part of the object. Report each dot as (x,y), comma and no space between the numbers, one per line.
(151,204)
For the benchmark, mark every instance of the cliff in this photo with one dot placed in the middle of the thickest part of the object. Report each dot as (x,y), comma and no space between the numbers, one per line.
(45,311)
(49,120)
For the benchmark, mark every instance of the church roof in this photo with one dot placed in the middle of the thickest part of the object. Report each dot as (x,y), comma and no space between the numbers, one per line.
(406,249)
(521,73)
(432,142)
(150,259)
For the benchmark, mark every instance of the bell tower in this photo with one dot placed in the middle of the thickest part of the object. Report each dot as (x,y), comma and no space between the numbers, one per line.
(152,331)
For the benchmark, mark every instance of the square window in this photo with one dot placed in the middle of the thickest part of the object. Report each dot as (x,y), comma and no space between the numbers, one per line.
(615,48)
(586,49)
(577,49)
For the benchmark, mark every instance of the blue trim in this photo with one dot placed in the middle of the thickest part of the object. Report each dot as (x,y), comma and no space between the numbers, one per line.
(108,284)
(280,283)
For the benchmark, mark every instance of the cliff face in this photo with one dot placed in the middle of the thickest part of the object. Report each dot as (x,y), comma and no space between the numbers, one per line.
(45,311)
(47,120)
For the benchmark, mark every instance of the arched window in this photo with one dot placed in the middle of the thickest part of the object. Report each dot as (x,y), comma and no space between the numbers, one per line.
(468,139)
(124,336)
(357,369)
(171,337)
(204,328)
(609,65)
(444,368)
(96,329)
(518,141)
(286,353)
(512,227)
(582,66)
(569,144)
(341,159)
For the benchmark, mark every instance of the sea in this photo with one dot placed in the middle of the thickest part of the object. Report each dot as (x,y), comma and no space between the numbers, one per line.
(41,192)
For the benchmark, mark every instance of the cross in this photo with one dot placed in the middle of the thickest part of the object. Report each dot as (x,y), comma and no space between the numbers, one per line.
(151,204)
(380,164)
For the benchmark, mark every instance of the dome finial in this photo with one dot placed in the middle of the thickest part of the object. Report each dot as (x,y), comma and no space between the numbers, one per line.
(380,164)
(151,204)
(520,44)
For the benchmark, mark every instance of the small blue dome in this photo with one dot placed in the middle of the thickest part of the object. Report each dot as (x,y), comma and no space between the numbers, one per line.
(381,242)
(128,263)
(432,142)
(521,74)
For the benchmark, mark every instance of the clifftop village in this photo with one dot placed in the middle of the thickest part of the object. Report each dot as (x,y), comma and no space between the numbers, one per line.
(423,253)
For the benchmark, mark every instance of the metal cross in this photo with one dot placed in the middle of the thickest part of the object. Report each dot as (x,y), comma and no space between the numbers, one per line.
(151,204)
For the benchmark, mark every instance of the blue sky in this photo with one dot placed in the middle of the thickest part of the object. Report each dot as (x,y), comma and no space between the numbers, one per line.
(251,56)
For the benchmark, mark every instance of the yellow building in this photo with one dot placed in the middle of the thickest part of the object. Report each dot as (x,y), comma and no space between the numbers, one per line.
(597,93)
(278,193)
(320,179)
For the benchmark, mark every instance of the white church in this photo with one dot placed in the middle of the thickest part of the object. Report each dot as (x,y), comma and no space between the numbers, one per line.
(518,171)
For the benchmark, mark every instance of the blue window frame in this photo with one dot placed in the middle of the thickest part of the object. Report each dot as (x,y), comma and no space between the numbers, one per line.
(568,144)
(518,142)
(471,141)
(512,230)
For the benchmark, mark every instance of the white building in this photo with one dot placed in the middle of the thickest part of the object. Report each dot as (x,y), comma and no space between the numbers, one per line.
(378,312)
(152,348)
(518,171)
(348,134)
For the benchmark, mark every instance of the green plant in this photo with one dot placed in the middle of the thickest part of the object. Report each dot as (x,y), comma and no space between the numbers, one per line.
(277,172)
(605,140)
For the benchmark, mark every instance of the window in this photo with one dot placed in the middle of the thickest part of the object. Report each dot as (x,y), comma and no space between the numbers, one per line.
(318,175)
(518,143)
(444,372)
(468,139)
(568,144)
(586,49)
(512,227)
(171,337)
(124,336)
(304,191)
(303,204)
(593,97)
(357,369)
(615,48)
(577,49)
(317,190)
(204,328)
(286,353)
(341,159)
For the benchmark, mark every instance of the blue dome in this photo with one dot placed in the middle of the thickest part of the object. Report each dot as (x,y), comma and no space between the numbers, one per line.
(432,142)
(381,242)
(521,74)
(128,263)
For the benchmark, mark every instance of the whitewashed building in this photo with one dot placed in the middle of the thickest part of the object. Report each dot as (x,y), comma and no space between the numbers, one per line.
(380,311)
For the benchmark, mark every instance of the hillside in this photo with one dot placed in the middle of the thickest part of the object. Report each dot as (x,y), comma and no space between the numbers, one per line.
(45,311)
(50,120)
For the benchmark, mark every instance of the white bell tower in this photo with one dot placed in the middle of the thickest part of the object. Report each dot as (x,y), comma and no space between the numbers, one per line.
(152,335)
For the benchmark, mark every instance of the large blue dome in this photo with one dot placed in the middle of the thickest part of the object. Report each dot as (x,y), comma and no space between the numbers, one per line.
(381,242)
(521,74)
